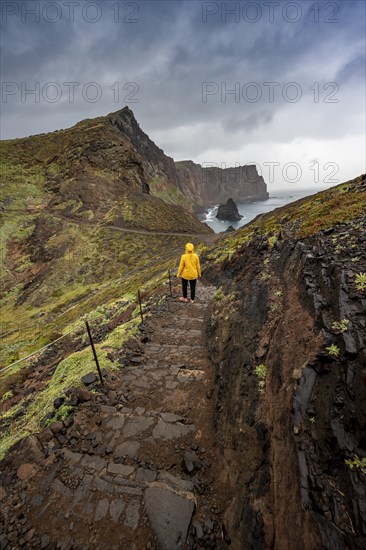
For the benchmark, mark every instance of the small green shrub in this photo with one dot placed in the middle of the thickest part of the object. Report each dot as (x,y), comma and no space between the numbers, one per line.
(272,241)
(219,295)
(341,325)
(61,413)
(261,372)
(333,350)
(356,462)
(360,281)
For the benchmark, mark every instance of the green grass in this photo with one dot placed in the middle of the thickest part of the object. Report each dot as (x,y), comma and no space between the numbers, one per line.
(360,281)
(261,372)
(149,213)
(67,374)
(98,266)
(169,193)
(333,350)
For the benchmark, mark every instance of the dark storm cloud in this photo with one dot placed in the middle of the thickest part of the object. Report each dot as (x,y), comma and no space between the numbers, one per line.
(191,63)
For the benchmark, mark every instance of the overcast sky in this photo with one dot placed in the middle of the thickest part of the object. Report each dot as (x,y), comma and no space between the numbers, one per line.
(295,70)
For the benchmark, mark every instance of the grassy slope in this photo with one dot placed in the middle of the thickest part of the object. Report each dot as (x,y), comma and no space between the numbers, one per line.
(88,172)
(97,278)
(54,273)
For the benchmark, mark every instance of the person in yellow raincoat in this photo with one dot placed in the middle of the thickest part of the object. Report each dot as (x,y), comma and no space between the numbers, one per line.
(189,270)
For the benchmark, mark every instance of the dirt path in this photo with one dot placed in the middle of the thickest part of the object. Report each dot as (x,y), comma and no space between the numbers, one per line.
(136,467)
(207,238)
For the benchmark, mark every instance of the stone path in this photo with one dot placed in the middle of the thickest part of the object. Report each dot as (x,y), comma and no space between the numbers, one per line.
(136,466)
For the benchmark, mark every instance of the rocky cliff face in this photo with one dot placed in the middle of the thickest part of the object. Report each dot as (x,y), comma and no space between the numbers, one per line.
(288,341)
(213,185)
(157,166)
(185,182)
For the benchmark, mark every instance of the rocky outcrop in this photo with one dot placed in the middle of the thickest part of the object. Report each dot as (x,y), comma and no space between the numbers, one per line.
(100,160)
(289,345)
(212,185)
(185,182)
(228,211)
(159,169)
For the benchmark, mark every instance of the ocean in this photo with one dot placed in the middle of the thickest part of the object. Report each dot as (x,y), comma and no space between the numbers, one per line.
(249,210)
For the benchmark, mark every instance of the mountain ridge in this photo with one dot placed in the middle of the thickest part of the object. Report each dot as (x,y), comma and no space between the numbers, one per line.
(90,150)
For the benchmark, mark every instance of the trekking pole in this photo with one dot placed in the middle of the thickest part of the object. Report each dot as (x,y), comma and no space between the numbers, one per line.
(94,352)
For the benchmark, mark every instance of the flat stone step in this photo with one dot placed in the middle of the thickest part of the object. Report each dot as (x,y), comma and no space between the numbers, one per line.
(178,348)
(169,514)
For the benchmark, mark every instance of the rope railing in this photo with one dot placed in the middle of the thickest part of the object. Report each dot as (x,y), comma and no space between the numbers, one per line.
(39,350)
(27,427)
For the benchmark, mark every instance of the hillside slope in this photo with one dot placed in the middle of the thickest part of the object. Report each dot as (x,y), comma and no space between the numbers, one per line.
(289,345)
(59,193)
(90,170)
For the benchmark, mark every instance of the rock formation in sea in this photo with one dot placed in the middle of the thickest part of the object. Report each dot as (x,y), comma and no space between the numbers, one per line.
(228,211)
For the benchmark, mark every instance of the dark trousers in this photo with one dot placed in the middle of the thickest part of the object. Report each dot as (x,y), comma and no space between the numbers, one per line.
(192,284)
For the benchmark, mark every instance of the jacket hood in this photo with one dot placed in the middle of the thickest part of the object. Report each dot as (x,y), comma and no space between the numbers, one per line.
(189,247)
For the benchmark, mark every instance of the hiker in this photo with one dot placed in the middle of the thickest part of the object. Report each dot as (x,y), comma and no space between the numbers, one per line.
(189,270)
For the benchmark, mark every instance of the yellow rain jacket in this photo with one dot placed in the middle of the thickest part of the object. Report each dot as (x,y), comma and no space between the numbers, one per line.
(189,267)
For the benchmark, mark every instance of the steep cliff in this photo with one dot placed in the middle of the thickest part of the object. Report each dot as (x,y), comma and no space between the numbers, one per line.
(212,185)
(288,342)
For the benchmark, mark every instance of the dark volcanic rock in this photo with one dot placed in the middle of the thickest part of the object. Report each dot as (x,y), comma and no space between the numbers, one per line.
(170,516)
(230,229)
(318,427)
(228,211)
(58,402)
(83,395)
(89,378)
(189,461)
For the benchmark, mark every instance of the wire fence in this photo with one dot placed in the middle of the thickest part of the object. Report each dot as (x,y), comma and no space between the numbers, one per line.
(74,329)
(39,350)
(9,438)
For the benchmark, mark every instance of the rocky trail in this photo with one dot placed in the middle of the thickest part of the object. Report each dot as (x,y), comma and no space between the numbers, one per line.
(135,466)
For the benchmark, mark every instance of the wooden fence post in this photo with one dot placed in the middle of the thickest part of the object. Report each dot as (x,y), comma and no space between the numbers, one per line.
(94,352)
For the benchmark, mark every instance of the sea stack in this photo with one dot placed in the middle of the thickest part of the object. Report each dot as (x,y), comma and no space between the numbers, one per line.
(228,211)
